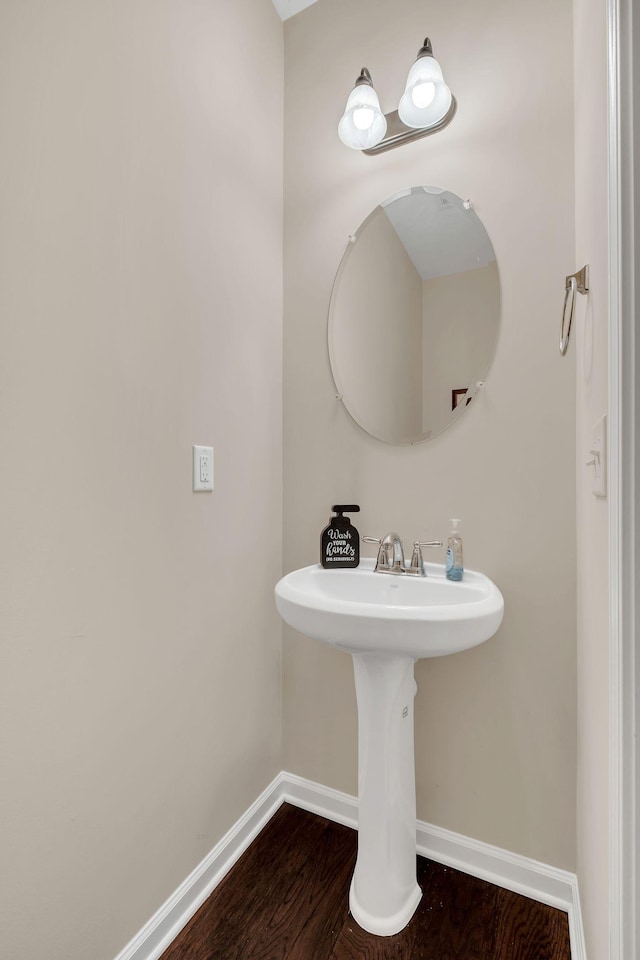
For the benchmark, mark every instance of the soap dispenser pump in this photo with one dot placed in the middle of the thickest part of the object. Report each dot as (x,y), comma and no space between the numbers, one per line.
(455,565)
(340,541)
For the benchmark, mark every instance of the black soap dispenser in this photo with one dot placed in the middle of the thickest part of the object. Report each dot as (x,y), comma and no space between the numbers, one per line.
(340,541)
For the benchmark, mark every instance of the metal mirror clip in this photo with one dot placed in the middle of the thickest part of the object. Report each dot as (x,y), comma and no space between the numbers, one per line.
(575,282)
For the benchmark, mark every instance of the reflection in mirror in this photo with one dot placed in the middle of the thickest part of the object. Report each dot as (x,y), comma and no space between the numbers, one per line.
(414,315)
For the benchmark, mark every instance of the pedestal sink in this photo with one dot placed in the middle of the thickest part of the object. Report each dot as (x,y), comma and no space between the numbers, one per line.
(387,623)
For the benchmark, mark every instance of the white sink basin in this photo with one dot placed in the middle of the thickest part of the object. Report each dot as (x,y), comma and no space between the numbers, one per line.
(387,622)
(362,611)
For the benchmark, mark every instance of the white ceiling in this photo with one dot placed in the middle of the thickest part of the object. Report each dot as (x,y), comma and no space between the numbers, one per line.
(287,8)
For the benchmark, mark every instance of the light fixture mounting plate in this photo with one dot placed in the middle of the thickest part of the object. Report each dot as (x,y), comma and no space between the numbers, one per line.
(398,133)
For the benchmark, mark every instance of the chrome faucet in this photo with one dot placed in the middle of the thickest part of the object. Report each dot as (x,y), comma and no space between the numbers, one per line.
(391,555)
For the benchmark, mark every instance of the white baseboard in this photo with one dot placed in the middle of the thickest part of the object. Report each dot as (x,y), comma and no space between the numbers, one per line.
(549,885)
(162,929)
(511,871)
(557,888)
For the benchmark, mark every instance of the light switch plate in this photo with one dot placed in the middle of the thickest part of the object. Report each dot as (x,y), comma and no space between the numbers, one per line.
(202,469)
(598,454)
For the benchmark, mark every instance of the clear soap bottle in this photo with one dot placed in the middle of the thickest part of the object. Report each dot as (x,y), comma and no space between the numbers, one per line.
(455,565)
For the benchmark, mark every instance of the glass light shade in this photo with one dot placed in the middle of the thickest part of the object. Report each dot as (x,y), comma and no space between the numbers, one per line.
(363,124)
(427,98)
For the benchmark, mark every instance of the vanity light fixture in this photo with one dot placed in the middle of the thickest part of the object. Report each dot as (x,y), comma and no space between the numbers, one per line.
(427,106)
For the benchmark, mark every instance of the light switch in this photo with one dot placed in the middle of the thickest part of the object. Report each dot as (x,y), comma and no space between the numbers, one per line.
(202,469)
(597,459)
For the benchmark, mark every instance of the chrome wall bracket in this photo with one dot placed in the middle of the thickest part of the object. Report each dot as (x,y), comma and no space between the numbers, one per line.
(574,282)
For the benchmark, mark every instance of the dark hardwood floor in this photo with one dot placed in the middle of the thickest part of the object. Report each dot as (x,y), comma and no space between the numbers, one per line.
(287,899)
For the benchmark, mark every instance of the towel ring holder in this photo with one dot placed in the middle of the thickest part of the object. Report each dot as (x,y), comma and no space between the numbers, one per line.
(575,282)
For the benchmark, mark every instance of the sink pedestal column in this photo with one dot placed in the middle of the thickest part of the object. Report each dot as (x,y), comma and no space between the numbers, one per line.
(384,892)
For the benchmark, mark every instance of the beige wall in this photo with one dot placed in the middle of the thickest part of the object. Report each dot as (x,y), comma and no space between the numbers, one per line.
(495,726)
(376,332)
(140,312)
(591,351)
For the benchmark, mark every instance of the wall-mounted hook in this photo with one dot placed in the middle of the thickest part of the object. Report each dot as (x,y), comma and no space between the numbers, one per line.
(576,281)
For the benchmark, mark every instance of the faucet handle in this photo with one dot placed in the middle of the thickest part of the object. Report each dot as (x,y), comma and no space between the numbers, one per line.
(381,550)
(417,562)
(383,560)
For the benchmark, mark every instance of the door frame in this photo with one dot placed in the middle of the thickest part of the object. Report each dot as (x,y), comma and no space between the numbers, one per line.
(624,527)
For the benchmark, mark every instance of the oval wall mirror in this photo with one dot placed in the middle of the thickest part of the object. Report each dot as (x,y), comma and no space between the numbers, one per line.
(414,315)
